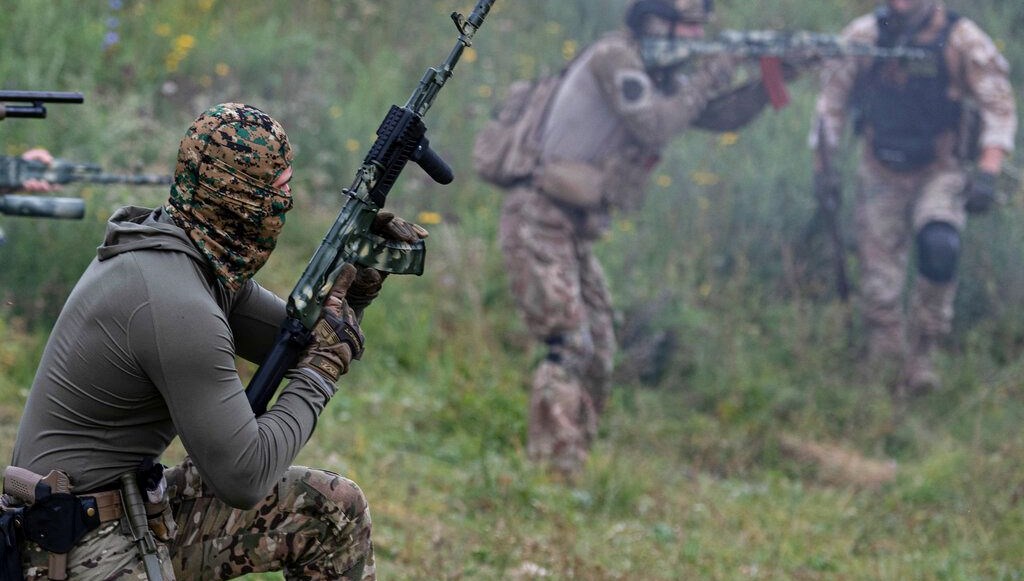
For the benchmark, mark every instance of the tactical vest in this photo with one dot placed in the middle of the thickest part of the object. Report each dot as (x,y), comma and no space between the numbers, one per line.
(906,103)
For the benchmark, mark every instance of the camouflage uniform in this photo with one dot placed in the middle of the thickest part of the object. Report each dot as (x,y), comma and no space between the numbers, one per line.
(313,525)
(606,126)
(893,206)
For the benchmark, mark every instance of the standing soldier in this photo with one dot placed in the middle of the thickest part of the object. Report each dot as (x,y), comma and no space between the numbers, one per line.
(912,181)
(605,126)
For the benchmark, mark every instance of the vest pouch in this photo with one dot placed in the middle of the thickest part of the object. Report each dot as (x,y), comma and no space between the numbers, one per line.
(903,153)
(571,182)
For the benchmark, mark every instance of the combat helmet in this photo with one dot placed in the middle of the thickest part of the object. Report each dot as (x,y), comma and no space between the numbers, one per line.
(696,11)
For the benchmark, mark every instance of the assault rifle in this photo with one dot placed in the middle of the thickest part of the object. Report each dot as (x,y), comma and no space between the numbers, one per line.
(661,53)
(36,109)
(830,199)
(14,171)
(401,138)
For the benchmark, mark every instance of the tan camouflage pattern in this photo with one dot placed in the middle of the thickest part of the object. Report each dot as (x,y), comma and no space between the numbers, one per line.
(560,290)
(891,207)
(610,115)
(978,71)
(313,525)
(223,195)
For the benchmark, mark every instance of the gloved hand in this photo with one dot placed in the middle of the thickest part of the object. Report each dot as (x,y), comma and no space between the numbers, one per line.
(337,339)
(369,281)
(828,188)
(980,193)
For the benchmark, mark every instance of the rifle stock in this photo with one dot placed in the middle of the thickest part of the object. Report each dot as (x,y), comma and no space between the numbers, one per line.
(401,138)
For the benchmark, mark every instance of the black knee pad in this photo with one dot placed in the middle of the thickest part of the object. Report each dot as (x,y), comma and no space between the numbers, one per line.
(556,344)
(938,251)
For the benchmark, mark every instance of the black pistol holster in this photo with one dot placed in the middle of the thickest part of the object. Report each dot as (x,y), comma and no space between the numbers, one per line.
(48,515)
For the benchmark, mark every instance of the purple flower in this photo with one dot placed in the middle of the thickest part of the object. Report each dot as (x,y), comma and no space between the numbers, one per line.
(115,4)
(110,39)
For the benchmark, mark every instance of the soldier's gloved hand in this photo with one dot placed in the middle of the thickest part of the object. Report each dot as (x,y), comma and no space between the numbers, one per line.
(37,185)
(827,188)
(337,339)
(981,192)
(369,281)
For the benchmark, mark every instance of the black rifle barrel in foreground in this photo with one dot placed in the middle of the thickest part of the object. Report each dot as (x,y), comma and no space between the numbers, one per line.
(15,171)
(42,207)
(36,110)
(401,138)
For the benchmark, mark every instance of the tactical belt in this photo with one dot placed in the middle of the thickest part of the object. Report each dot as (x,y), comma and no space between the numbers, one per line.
(52,517)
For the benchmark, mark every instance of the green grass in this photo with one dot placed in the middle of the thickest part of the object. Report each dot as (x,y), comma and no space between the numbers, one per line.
(692,478)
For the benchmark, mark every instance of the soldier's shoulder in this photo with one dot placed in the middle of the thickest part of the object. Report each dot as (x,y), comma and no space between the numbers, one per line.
(614,49)
(864,28)
(967,32)
(969,39)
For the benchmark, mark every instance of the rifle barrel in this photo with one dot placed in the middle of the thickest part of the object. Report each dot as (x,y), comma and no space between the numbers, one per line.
(41,97)
(36,110)
(42,207)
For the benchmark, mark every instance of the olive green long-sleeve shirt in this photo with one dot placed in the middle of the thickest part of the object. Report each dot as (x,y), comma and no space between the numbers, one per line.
(143,351)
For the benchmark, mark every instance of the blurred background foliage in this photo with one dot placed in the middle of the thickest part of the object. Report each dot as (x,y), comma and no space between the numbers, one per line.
(693,479)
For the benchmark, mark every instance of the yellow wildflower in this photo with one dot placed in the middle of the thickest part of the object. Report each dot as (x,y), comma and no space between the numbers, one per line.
(335,111)
(429,218)
(705,178)
(469,55)
(162,29)
(485,91)
(352,145)
(569,48)
(663,180)
(728,139)
(222,69)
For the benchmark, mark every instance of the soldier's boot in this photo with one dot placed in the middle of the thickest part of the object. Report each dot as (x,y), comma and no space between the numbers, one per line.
(562,421)
(885,350)
(919,375)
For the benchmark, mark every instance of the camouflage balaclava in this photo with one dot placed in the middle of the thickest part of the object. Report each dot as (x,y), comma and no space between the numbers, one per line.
(223,195)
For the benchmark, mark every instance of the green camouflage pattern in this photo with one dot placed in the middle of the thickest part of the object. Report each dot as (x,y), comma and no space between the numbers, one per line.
(313,525)
(222,194)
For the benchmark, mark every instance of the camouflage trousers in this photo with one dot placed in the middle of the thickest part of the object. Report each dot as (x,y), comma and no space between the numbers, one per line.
(312,525)
(891,209)
(562,295)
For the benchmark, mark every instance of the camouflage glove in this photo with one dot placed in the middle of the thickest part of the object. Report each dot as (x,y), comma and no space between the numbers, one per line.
(980,192)
(337,339)
(369,281)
